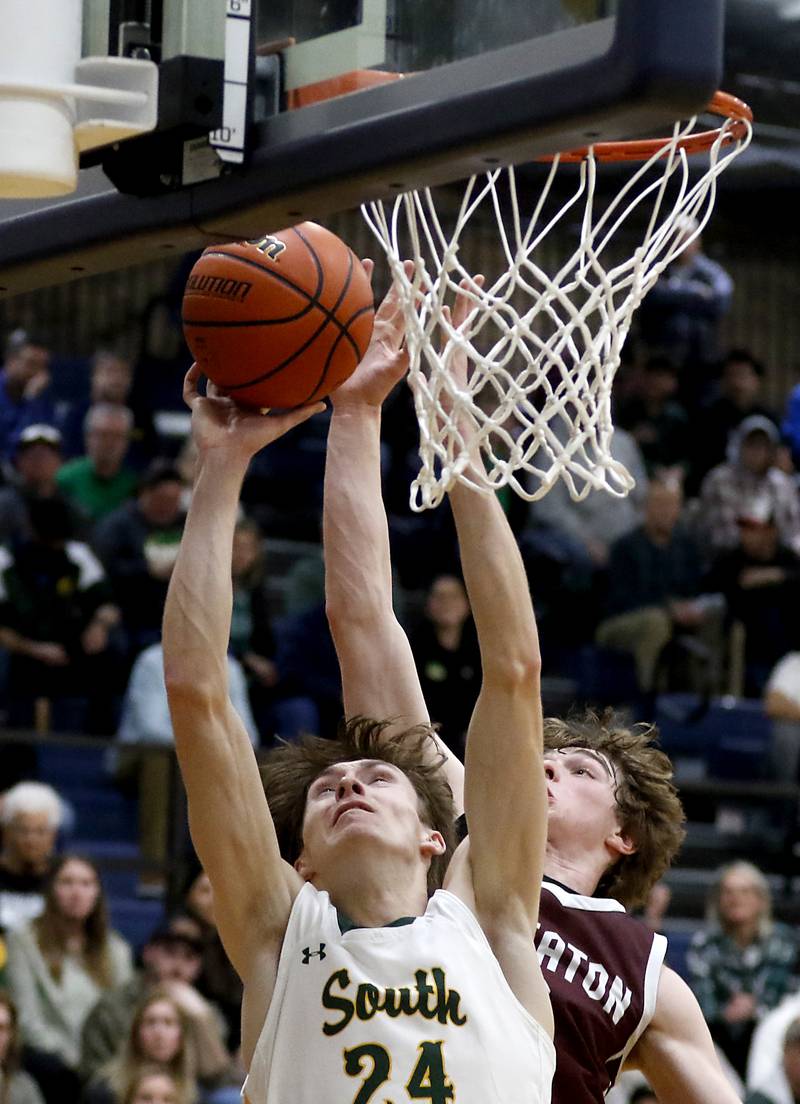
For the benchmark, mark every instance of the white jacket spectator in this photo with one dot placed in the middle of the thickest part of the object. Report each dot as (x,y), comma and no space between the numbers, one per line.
(145,713)
(765,1072)
(749,485)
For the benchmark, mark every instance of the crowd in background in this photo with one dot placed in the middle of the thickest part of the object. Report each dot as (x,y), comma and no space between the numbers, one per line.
(97,476)
(634,596)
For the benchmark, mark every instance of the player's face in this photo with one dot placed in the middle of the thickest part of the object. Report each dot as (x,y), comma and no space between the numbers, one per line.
(366,800)
(581,800)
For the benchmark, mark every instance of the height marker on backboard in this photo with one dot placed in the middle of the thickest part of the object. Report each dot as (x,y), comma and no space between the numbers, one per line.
(229,139)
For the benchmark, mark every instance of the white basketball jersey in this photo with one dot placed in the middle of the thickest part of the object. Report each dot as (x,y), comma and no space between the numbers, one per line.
(418,1010)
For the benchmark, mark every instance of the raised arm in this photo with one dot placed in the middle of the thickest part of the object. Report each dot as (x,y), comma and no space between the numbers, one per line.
(379,677)
(505,791)
(228,814)
(676,1052)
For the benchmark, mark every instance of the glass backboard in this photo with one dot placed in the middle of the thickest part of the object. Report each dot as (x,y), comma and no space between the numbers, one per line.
(318,107)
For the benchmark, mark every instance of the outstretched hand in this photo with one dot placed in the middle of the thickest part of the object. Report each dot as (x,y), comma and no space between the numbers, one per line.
(460,318)
(218,422)
(385,361)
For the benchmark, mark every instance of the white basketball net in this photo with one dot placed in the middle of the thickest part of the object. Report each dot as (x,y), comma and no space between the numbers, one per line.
(542,347)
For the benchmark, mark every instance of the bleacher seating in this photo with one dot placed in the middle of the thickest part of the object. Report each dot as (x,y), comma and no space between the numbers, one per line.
(105,829)
(720,738)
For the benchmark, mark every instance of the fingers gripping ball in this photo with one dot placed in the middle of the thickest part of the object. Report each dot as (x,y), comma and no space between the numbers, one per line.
(279,321)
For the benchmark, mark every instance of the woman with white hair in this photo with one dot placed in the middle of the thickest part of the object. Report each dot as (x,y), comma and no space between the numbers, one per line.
(743,963)
(31,814)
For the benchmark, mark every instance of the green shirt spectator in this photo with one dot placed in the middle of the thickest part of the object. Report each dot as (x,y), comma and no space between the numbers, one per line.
(99,481)
(97,496)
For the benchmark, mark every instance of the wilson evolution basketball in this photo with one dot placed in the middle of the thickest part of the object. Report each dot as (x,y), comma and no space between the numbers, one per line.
(281,320)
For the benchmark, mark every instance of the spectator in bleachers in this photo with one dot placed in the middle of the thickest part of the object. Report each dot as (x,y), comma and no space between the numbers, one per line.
(743,963)
(138,543)
(782,705)
(445,648)
(37,462)
(566,545)
(783,1084)
(16,1086)
(31,815)
(145,731)
(172,961)
(657,906)
(101,481)
(593,524)
(655,419)
(58,966)
(160,365)
(309,671)
(282,490)
(110,381)
(152,1085)
(681,315)
(749,484)
(160,1037)
(654,585)
(56,620)
(24,388)
(252,638)
(278,704)
(217,979)
(739,397)
(760,579)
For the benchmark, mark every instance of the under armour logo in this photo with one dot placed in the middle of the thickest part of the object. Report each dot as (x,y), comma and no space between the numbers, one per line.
(308,954)
(269,246)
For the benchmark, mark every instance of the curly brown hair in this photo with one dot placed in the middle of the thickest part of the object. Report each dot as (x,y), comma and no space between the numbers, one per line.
(650,809)
(289,770)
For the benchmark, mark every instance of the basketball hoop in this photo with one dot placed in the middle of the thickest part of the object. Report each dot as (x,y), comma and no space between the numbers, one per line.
(543,346)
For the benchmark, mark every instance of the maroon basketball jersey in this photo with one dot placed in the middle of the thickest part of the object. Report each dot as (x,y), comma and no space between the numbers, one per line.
(602,967)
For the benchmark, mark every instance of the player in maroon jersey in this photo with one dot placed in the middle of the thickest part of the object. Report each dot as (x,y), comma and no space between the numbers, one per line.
(615,821)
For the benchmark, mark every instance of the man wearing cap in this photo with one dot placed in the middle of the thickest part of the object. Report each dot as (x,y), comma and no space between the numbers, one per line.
(749,484)
(24,388)
(760,579)
(171,961)
(681,316)
(37,462)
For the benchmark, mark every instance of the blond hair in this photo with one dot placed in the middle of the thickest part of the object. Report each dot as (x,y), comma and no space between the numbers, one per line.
(126,1067)
(759,883)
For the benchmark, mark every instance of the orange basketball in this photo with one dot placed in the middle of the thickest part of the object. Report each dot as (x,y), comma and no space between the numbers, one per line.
(279,321)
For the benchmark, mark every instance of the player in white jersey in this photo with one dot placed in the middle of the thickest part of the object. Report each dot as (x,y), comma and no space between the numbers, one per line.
(608,832)
(410,998)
